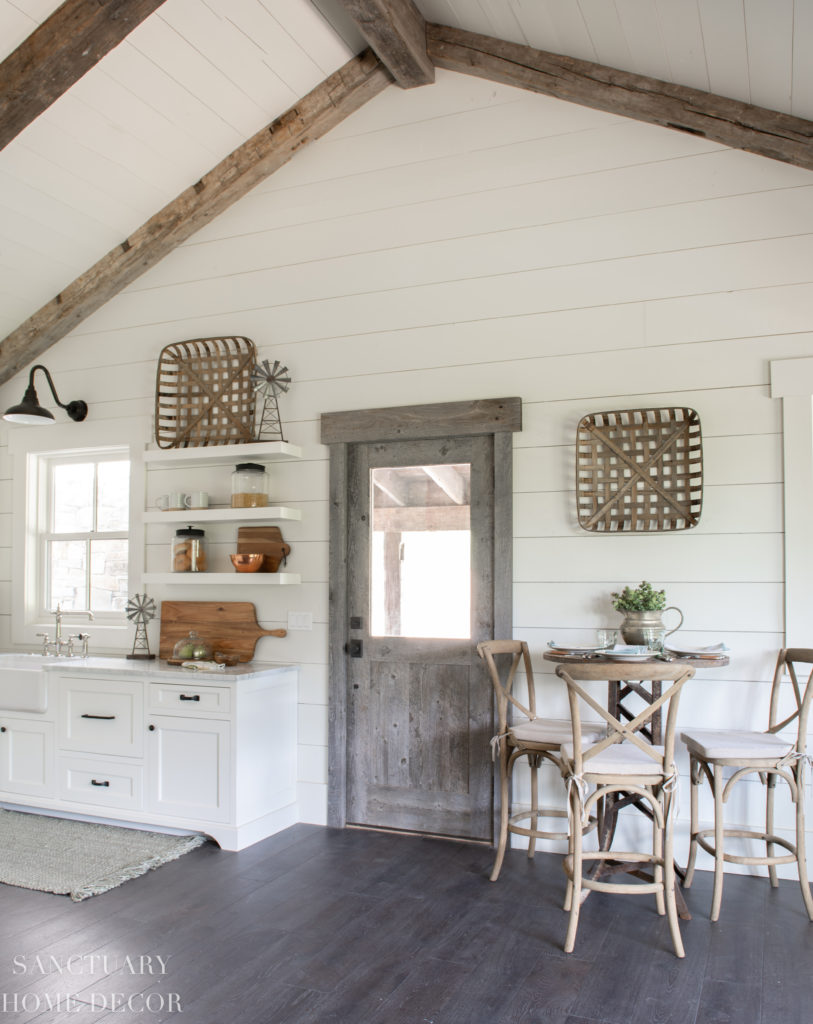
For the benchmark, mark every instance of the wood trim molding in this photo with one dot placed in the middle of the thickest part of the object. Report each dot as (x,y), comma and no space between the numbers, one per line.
(792,382)
(349,88)
(396,30)
(739,125)
(498,417)
(408,422)
(58,52)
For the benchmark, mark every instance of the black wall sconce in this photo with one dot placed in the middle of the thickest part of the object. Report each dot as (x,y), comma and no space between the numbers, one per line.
(31,413)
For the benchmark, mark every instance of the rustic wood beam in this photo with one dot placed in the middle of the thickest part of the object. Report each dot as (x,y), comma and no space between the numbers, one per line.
(396,30)
(440,419)
(448,480)
(730,122)
(390,483)
(58,52)
(327,105)
(421,519)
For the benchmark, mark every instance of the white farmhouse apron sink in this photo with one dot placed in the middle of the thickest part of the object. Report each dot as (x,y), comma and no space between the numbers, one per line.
(23,682)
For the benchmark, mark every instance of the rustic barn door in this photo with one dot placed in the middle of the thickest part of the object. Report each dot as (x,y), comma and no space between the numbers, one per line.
(414,575)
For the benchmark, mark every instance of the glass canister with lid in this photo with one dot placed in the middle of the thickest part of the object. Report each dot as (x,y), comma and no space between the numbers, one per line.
(189,550)
(249,486)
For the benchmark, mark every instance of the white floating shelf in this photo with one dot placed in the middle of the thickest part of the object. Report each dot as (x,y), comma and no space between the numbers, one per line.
(223,515)
(215,455)
(194,579)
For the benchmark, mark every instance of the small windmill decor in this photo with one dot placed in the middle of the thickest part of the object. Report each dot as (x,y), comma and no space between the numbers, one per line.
(140,610)
(269,382)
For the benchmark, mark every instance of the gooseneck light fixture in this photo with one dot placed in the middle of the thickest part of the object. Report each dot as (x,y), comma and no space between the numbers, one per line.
(31,413)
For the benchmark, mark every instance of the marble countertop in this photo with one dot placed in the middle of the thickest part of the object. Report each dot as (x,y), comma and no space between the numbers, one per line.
(124,667)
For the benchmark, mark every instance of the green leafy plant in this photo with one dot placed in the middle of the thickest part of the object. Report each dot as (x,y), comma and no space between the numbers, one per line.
(643,599)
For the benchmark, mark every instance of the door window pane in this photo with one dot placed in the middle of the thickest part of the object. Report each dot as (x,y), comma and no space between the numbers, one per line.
(421,551)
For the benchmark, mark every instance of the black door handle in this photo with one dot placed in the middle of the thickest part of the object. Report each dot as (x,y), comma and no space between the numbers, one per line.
(102,718)
(355,648)
(94,782)
(195,696)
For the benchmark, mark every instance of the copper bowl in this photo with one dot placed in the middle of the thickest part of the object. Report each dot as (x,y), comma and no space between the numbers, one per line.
(246,563)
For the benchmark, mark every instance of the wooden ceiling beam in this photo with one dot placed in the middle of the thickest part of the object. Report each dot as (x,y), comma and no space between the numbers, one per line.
(390,483)
(349,88)
(396,30)
(739,125)
(58,52)
(449,481)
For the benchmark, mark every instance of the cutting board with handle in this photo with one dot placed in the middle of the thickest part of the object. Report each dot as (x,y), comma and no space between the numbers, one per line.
(231,627)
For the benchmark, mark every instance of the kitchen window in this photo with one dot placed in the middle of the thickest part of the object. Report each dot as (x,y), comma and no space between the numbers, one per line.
(77,532)
(82,547)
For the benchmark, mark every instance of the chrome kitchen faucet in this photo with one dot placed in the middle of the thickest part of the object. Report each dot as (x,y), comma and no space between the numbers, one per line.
(56,645)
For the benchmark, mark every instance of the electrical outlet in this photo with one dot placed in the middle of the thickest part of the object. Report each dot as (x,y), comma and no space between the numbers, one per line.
(300,620)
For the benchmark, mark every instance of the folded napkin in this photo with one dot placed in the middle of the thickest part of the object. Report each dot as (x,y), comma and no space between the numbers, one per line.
(203,666)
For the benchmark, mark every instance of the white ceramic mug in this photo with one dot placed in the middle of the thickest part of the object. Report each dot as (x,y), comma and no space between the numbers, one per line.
(172,501)
(197,499)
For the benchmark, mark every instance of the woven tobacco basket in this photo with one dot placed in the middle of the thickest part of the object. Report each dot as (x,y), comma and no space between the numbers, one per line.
(639,470)
(203,393)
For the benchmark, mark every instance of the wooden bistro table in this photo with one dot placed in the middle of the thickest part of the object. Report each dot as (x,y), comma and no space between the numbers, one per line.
(621,692)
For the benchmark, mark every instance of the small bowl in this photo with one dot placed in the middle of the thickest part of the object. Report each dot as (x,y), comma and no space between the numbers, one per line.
(246,563)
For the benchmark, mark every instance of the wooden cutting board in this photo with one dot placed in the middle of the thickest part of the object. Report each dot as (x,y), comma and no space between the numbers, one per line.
(229,626)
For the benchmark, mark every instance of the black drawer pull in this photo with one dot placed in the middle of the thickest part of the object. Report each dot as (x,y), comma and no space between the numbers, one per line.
(102,718)
(195,696)
(95,782)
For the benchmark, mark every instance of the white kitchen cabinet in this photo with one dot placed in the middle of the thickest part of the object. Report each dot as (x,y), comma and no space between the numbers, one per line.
(223,456)
(101,716)
(153,744)
(110,783)
(189,767)
(27,757)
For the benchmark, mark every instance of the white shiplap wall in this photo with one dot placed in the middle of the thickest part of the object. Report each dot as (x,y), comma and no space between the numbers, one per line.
(469,240)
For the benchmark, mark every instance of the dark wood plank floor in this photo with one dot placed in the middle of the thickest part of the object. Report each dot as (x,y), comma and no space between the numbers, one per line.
(318,926)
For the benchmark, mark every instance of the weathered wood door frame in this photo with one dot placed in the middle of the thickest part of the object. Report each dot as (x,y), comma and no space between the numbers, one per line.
(499,417)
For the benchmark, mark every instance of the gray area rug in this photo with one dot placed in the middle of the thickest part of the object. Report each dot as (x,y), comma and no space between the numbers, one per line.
(80,858)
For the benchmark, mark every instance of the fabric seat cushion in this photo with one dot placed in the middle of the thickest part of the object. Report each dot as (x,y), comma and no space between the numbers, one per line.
(619,759)
(552,731)
(711,744)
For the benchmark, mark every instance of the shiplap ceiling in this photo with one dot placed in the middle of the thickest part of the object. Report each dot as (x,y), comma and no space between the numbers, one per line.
(198,77)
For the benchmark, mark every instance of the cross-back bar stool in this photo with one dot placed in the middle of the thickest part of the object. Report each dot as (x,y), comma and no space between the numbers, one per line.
(624,762)
(770,756)
(525,735)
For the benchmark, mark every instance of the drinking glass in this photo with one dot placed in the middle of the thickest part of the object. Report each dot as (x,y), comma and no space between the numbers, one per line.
(653,638)
(606,637)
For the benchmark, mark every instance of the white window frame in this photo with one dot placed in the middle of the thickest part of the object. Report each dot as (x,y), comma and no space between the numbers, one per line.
(792,381)
(47,462)
(30,448)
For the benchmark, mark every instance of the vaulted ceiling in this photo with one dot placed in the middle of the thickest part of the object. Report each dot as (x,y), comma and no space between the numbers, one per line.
(195,79)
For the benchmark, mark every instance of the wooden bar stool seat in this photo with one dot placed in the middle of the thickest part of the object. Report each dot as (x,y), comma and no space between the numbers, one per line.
(771,757)
(536,739)
(624,761)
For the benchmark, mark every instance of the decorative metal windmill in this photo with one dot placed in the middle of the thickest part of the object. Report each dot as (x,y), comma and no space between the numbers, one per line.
(270,382)
(140,610)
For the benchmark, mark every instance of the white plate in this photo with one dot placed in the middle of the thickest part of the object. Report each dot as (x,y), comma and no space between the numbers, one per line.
(564,649)
(712,651)
(628,656)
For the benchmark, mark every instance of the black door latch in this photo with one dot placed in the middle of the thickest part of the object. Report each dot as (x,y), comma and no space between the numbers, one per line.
(354,648)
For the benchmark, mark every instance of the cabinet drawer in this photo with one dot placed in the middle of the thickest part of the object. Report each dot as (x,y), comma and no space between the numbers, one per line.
(102,717)
(190,699)
(102,783)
